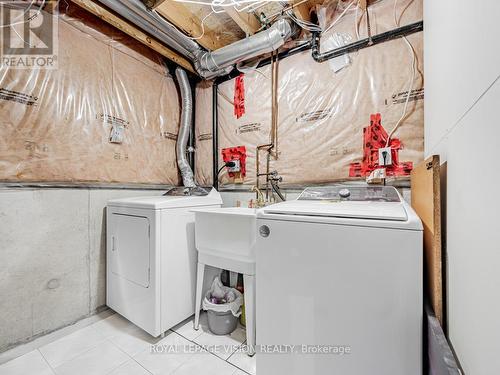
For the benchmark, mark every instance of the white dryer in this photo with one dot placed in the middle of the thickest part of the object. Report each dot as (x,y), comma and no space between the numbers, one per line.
(339,279)
(151,258)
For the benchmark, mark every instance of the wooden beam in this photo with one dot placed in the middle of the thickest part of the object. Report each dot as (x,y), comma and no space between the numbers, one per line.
(301,11)
(190,24)
(51,6)
(134,32)
(246,21)
(152,4)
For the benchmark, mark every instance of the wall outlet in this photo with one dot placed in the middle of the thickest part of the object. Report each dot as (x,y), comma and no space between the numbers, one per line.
(384,156)
(117,133)
(236,168)
(377,176)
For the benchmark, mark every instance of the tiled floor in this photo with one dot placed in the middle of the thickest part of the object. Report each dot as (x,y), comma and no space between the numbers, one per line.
(115,346)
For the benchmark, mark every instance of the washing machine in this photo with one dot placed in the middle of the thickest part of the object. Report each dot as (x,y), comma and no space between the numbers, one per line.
(339,284)
(151,257)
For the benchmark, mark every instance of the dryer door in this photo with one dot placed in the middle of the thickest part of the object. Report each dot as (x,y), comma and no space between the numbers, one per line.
(130,246)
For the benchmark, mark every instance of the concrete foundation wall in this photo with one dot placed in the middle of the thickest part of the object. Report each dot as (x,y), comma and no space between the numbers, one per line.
(52,258)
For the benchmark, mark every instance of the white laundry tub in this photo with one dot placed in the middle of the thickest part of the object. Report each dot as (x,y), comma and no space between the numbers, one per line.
(228,234)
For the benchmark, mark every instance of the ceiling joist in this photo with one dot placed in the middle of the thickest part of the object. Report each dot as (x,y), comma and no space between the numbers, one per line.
(187,22)
(134,32)
(152,4)
(301,9)
(246,21)
(51,6)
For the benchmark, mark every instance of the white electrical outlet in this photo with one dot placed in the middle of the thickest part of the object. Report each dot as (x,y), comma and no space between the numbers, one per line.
(236,168)
(117,133)
(384,156)
(377,176)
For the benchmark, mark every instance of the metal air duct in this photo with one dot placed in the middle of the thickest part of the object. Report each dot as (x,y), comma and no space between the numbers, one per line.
(136,12)
(208,64)
(185,128)
(258,44)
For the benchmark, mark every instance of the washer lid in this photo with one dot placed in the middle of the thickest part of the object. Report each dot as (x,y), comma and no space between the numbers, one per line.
(351,193)
(347,209)
(163,201)
(358,202)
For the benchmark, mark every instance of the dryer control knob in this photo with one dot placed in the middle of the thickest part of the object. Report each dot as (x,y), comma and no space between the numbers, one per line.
(264,231)
(344,193)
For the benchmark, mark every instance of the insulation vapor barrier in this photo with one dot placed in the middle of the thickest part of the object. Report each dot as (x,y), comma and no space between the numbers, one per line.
(203,134)
(108,113)
(323,107)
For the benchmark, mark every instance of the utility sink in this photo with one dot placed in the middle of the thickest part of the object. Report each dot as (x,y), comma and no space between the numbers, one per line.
(228,235)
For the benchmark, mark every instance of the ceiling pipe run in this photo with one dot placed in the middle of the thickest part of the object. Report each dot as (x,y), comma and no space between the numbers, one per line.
(266,41)
(208,64)
(362,43)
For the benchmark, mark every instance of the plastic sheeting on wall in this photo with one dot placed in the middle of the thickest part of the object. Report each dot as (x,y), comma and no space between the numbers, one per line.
(103,79)
(204,134)
(322,113)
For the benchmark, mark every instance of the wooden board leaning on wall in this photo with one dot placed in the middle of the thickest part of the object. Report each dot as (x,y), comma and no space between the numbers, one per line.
(426,200)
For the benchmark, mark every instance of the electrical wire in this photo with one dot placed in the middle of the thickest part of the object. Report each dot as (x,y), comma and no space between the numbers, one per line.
(290,7)
(202,24)
(410,83)
(248,68)
(306,25)
(220,169)
(356,22)
(252,7)
(26,11)
(339,17)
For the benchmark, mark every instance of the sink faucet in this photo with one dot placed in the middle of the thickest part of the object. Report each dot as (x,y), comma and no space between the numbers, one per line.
(260,197)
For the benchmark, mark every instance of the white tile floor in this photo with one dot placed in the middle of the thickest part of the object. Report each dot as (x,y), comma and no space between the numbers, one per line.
(115,346)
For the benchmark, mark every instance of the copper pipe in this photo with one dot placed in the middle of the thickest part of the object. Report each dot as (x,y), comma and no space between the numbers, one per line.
(274,103)
(257,160)
(271,147)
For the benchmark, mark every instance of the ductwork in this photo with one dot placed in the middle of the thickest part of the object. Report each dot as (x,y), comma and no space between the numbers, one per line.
(258,44)
(208,64)
(136,12)
(185,128)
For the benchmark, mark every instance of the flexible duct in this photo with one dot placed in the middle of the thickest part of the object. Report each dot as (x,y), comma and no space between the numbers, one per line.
(185,128)
(208,64)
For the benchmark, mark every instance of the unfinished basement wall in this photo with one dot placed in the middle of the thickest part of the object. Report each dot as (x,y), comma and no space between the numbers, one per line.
(56,124)
(322,113)
(55,128)
(462,68)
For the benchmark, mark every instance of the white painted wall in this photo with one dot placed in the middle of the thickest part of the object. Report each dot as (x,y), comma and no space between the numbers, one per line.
(462,67)
(52,258)
(462,60)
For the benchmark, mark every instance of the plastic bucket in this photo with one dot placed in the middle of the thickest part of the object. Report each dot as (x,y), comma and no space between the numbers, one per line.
(221,323)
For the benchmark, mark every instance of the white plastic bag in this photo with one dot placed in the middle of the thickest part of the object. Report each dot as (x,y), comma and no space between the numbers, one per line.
(335,41)
(233,298)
